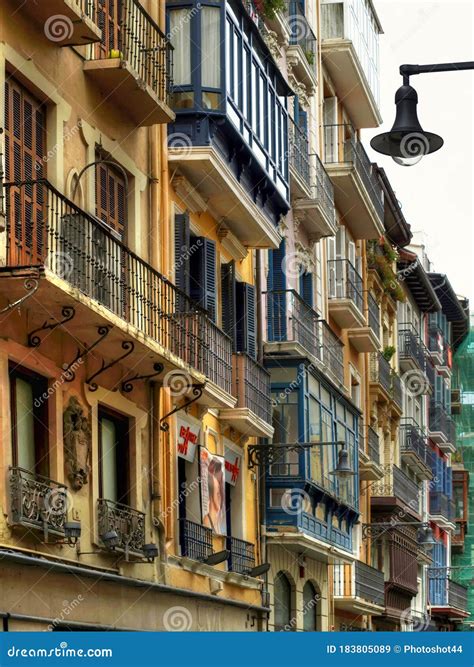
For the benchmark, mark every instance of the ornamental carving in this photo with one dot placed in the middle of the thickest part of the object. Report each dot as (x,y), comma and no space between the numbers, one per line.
(77,444)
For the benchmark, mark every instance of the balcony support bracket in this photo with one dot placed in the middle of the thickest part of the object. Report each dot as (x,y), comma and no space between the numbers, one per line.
(30,285)
(128,346)
(264,455)
(127,385)
(69,370)
(67,312)
(197,391)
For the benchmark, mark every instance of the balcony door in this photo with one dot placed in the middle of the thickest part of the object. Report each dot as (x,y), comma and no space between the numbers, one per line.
(109,16)
(25,142)
(114,457)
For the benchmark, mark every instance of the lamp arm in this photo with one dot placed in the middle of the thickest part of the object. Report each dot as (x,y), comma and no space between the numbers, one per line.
(410,70)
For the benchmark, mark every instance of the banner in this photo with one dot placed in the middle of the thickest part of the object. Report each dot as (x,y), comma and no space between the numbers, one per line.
(233,465)
(188,439)
(212,474)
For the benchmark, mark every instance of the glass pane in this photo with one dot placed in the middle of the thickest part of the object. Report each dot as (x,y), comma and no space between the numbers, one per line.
(25,425)
(180,37)
(210,47)
(109,459)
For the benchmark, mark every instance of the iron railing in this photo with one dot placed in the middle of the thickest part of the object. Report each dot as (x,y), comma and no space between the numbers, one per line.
(380,371)
(373,314)
(441,504)
(441,422)
(457,595)
(322,188)
(45,228)
(291,319)
(134,37)
(397,390)
(373,445)
(37,501)
(413,439)
(301,33)
(299,152)
(332,352)
(430,370)
(342,146)
(438,345)
(242,555)
(195,540)
(128,523)
(252,386)
(410,346)
(345,282)
(446,592)
(397,484)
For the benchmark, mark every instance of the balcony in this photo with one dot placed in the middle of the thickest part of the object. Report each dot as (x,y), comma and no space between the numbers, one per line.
(380,377)
(447,597)
(242,555)
(65,22)
(252,414)
(36,502)
(128,523)
(82,264)
(349,45)
(397,392)
(133,64)
(357,190)
(359,588)
(442,429)
(430,372)
(410,349)
(396,490)
(440,351)
(302,53)
(195,540)
(293,327)
(332,355)
(346,299)
(441,508)
(414,449)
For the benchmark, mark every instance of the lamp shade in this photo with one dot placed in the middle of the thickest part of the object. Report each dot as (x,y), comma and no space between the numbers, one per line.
(343,468)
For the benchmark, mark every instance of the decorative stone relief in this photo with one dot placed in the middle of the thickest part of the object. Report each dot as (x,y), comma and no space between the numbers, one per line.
(77,444)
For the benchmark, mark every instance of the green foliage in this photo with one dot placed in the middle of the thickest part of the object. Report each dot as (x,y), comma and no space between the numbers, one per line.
(388,352)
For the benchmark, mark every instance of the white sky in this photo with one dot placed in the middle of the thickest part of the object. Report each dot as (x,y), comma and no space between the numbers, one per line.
(437,195)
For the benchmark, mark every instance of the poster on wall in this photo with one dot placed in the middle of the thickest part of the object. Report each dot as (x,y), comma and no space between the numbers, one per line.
(212,475)
(188,439)
(233,463)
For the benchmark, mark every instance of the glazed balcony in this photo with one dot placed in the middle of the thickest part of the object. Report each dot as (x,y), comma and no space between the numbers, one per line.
(346,299)
(414,449)
(127,522)
(65,22)
(195,540)
(302,52)
(369,454)
(349,45)
(442,508)
(396,490)
(447,597)
(132,64)
(252,414)
(357,190)
(242,555)
(359,588)
(442,429)
(36,502)
(82,264)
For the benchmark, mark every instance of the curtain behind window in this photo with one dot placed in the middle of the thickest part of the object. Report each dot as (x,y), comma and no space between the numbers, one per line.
(210,47)
(180,36)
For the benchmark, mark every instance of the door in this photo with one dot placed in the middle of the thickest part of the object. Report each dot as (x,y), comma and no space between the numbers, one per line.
(109,13)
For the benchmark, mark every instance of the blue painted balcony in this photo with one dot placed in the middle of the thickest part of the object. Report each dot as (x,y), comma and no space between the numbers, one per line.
(447,597)
(230,136)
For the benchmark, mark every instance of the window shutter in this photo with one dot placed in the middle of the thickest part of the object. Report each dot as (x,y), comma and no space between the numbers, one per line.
(203,276)
(111,197)
(276,304)
(246,327)
(181,251)
(228,287)
(306,288)
(449,482)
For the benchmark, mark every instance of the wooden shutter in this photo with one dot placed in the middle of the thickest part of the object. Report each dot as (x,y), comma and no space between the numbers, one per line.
(276,304)
(246,326)
(228,289)
(108,19)
(181,251)
(306,288)
(203,275)
(25,141)
(111,197)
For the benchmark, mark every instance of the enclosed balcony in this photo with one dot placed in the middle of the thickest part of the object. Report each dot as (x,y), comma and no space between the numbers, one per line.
(447,597)
(350,50)
(396,490)
(346,298)
(441,507)
(252,414)
(414,449)
(357,190)
(359,588)
(37,503)
(302,53)
(442,429)
(230,136)
(83,266)
(127,522)
(65,22)
(132,63)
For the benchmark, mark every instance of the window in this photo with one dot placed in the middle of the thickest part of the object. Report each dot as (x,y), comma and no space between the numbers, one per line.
(180,37)
(111,197)
(311,601)
(114,456)
(282,603)
(29,410)
(238,311)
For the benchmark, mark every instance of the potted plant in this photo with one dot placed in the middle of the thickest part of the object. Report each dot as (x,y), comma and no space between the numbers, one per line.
(388,352)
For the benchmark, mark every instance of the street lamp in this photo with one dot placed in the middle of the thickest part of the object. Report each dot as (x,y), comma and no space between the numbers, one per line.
(407,143)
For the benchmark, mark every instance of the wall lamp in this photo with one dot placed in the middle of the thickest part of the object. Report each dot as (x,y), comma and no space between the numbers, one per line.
(111,541)
(375,531)
(72,533)
(216,558)
(258,570)
(407,143)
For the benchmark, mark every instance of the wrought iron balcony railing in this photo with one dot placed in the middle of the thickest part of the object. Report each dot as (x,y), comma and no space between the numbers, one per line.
(128,523)
(441,422)
(301,33)
(446,592)
(195,540)
(290,319)
(441,504)
(410,345)
(323,189)
(397,390)
(342,146)
(429,369)
(413,439)
(373,445)
(299,152)
(45,228)
(37,502)
(332,352)
(242,555)
(345,282)
(252,386)
(373,314)
(380,371)
(457,595)
(137,40)
(398,485)
(359,580)
(438,345)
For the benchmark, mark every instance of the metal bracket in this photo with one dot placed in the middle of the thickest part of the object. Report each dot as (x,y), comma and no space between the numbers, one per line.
(67,313)
(127,385)
(31,285)
(197,390)
(128,346)
(264,455)
(69,370)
